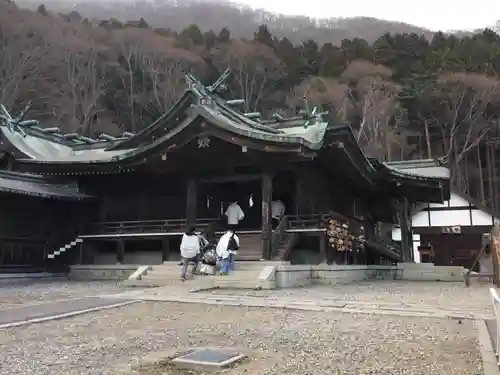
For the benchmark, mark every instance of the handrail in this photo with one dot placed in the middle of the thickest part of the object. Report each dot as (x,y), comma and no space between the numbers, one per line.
(181,220)
(278,234)
(496,307)
(144,226)
(305,220)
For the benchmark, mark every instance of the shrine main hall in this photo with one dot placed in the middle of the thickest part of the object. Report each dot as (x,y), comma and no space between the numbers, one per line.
(69,199)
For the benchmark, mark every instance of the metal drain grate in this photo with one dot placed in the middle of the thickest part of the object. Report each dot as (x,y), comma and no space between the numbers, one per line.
(209,358)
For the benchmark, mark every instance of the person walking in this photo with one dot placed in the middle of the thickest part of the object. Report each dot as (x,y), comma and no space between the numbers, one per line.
(227,249)
(234,215)
(190,251)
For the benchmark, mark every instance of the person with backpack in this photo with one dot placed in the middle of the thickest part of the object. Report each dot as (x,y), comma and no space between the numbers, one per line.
(191,245)
(227,249)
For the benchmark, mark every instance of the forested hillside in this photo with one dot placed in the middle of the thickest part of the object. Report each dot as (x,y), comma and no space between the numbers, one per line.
(218,14)
(405,95)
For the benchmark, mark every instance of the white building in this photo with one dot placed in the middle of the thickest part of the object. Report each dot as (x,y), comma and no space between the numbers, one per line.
(454,229)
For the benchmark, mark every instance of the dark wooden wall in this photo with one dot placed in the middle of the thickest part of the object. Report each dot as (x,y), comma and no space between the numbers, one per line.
(304,188)
(454,249)
(137,196)
(31,227)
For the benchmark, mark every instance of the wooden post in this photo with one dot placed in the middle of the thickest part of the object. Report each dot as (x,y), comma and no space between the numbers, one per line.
(267,229)
(120,251)
(191,201)
(298,193)
(323,246)
(406,234)
(103,208)
(82,257)
(165,246)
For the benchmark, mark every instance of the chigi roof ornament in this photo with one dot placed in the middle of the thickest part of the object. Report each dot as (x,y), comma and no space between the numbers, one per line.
(220,84)
(15,123)
(314,116)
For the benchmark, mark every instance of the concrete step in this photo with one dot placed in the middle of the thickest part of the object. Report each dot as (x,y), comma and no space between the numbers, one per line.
(228,283)
(234,280)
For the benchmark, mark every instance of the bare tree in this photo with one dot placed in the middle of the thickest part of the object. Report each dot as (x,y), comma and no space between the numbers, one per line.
(22,61)
(325,92)
(80,90)
(129,43)
(466,116)
(163,80)
(253,65)
(151,71)
(375,102)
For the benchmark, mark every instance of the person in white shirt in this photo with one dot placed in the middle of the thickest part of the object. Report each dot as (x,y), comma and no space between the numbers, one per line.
(227,249)
(234,215)
(190,251)
(277,211)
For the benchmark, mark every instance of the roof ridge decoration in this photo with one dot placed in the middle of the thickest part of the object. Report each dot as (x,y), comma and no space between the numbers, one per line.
(15,123)
(32,128)
(312,116)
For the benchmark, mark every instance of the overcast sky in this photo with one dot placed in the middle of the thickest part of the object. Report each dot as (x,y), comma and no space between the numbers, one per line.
(432,14)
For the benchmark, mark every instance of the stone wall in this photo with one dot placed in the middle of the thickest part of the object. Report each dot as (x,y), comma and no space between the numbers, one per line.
(135,257)
(101,272)
(290,276)
(430,272)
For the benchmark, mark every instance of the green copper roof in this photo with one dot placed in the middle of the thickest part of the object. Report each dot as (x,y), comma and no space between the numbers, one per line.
(33,185)
(426,168)
(50,146)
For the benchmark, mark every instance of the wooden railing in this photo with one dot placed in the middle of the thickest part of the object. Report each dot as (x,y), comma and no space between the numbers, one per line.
(279,234)
(306,221)
(148,226)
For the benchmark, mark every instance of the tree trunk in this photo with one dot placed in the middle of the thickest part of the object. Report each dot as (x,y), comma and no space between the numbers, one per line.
(428,140)
(481,180)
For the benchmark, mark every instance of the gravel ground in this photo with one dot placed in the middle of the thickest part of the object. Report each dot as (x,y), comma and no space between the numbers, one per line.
(277,342)
(28,292)
(439,294)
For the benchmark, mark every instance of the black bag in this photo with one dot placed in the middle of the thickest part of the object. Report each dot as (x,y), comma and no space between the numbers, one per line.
(232,244)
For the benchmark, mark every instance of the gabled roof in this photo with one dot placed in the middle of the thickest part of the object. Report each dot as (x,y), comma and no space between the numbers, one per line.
(201,110)
(426,168)
(199,102)
(38,186)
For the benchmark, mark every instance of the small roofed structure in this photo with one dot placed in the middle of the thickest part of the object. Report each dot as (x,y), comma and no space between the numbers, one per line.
(203,154)
(452,231)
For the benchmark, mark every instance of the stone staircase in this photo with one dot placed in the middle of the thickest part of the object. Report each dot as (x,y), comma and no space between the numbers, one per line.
(65,248)
(250,247)
(284,247)
(245,276)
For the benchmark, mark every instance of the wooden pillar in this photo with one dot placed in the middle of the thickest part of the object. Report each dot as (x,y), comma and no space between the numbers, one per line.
(165,247)
(81,259)
(120,251)
(103,208)
(406,234)
(298,193)
(267,229)
(191,201)
(323,247)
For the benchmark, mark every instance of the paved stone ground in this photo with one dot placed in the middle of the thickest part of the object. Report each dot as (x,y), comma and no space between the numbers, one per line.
(442,295)
(278,341)
(48,309)
(16,293)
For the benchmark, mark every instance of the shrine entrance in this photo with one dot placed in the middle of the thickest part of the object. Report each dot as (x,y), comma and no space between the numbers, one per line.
(215,197)
(216,194)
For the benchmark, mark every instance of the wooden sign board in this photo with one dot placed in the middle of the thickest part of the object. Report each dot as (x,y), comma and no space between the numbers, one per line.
(452,230)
